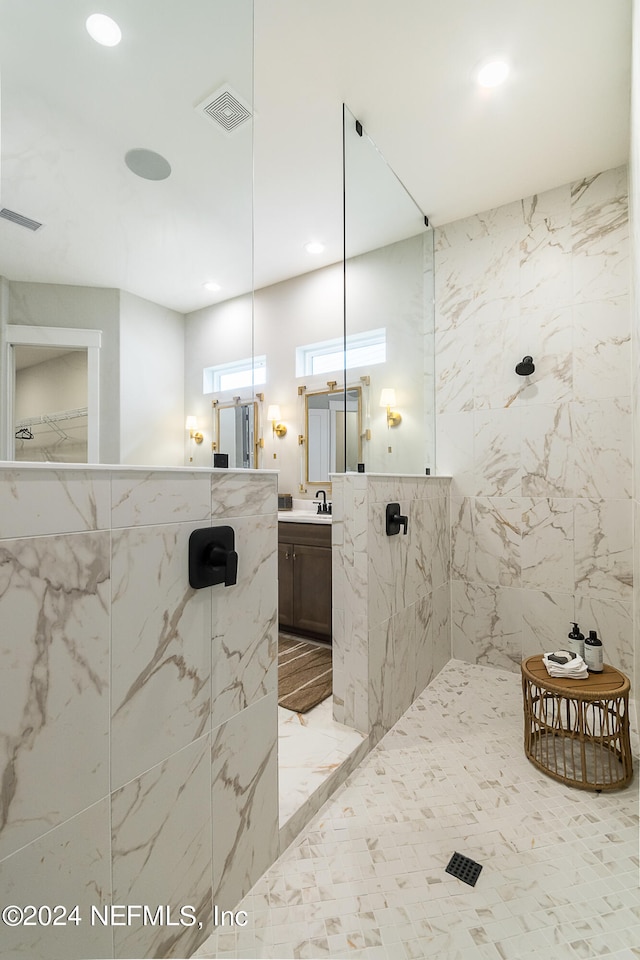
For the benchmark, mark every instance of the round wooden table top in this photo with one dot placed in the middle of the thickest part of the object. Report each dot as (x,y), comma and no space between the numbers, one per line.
(608,684)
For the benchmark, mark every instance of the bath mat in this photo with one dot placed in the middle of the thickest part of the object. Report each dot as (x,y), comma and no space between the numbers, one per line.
(304,674)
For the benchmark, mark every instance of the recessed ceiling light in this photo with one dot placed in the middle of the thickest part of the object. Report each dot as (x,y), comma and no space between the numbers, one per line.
(492,74)
(212,285)
(314,246)
(104,30)
(147,164)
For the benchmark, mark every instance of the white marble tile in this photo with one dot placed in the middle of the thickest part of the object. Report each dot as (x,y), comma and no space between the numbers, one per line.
(454,451)
(497,540)
(602,349)
(69,865)
(387,567)
(243,494)
(603,549)
(547,617)
(38,502)
(424,643)
(486,624)
(508,218)
(339,643)
(494,383)
(547,549)
(546,334)
(54,669)
(244,808)
(613,622)
(601,450)
(161,649)
(311,747)
(151,498)
(376,664)
(591,192)
(356,662)
(463,542)
(437,533)
(545,251)
(441,627)
(546,451)
(244,642)
(600,240)
(161,851)
(497,465)
(454,370)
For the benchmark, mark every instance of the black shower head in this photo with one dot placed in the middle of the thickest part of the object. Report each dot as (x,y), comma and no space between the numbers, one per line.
(526,367)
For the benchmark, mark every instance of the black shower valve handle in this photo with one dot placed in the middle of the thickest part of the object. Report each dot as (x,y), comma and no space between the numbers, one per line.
(394,520)
(212,557)
(223,564)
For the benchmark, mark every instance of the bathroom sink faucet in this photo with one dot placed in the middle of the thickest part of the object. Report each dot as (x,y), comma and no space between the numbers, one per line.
(323,507)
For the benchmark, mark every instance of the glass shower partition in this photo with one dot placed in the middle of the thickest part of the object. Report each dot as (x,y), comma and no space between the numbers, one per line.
(388,311)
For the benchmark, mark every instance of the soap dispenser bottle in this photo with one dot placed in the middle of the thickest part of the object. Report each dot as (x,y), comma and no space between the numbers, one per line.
(593,653)
(576,641)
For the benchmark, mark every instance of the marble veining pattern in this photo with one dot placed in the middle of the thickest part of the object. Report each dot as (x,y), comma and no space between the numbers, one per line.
(161,654)
(112,778)
(155,497)
(366,878)
(244,629)
(241,494)
(161,841)
(54,655)
(383,618)
(47,501)
(541,519)
(244,800)
(73,862)
(311,747)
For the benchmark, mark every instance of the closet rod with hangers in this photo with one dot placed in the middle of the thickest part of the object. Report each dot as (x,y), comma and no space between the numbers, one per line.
(52,417)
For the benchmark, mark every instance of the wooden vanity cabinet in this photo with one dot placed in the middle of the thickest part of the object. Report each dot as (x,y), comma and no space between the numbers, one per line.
(304,578)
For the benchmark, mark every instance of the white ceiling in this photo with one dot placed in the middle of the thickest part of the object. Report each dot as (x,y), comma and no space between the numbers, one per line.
(71,109)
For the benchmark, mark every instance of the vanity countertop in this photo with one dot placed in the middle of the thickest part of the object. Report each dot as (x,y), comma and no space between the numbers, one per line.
(303,516)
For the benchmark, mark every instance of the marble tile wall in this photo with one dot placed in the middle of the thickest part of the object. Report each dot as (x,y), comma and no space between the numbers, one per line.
(541,501)
(634,216)
(138,717)
(390,596)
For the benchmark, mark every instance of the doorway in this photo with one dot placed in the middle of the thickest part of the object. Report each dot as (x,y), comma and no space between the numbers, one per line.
(52,399)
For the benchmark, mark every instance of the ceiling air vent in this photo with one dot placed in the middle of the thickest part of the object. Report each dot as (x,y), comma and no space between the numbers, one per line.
(226,109)
(18,218)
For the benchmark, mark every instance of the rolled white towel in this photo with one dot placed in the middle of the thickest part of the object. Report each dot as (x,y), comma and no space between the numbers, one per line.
(563,663)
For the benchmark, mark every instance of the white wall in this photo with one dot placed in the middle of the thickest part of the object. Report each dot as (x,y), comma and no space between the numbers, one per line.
(151,383)
(53,386)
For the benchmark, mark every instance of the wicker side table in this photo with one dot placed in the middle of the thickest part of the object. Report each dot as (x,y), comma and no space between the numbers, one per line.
(577,731)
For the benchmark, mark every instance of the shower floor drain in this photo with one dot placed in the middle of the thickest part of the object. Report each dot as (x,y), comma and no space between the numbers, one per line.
(464,869)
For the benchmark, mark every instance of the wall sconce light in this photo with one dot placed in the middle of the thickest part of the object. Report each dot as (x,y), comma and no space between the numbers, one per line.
(191,426)
(388,400)
(273,414)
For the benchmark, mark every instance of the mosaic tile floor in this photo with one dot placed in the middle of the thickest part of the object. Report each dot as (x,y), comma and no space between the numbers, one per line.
(367,878)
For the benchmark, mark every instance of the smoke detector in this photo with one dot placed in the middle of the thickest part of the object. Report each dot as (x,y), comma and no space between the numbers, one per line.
(226,109)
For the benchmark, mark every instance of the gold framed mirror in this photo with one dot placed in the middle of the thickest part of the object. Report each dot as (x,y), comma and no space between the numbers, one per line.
(333,432)
(235,432)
